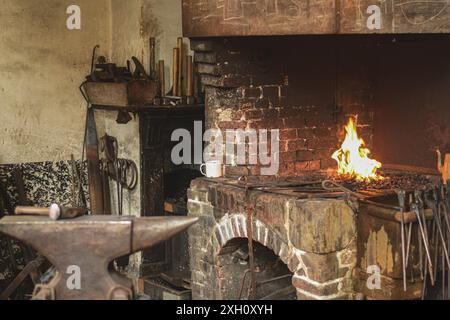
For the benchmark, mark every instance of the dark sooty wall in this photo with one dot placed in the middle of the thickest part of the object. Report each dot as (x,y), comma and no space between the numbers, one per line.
(412,96)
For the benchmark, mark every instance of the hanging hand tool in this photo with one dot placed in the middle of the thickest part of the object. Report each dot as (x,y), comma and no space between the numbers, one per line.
(123,171)
(77,181)
(127,177)
(110,147)
(93,164)
(106,188)
(139,71)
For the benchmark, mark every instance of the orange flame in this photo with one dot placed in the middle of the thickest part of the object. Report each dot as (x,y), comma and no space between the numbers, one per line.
(353,159)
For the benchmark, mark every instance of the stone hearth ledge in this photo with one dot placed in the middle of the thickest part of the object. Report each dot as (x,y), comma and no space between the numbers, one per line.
(315,238)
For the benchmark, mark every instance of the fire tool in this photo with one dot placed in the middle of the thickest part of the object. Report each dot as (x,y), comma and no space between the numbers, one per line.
(401,194)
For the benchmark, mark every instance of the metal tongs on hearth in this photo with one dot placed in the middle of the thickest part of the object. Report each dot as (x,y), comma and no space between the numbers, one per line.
(334,187)
(435,236)
(401,194)
(435,199)
(417,206)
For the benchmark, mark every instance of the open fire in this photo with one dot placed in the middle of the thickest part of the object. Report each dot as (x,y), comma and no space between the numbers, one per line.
(353,158)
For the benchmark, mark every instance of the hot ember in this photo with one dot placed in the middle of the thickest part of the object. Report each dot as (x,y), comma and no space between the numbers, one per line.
(353,159)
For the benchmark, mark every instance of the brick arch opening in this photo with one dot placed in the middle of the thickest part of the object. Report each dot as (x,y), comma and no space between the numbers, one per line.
(273,277)
(235,226)
(226,252)
(322,261)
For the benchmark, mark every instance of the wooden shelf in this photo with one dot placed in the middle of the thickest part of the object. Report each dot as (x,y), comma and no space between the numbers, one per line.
(149,108)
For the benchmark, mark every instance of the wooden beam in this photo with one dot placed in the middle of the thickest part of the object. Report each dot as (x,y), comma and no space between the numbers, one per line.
(289,17)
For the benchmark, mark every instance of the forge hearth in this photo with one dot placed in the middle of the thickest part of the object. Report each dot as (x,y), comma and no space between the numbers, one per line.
(310,241)
(314,238)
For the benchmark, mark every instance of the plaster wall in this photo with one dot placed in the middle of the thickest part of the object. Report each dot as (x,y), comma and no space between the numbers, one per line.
(42,63)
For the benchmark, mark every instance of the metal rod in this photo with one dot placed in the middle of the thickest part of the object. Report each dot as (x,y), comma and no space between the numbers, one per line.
(189,77)
(401,194)
(179,91)
(196,80)
(424,289)
(175,72)
(152,62)
(421,256)
(441,235)
(244,277)
(443,275)
(93,164)
(162,78)
(274,279)
(252,291)
(425,229)
(280,293)
(408,243)
(424,239)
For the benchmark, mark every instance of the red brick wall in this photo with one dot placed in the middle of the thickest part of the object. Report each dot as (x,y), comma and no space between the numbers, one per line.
(308,99)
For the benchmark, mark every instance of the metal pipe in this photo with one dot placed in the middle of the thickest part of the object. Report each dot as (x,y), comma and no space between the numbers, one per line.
(189,77)
(162,78)
(425,243)
(401,199)
(179,92)
(152,62)
(175,72)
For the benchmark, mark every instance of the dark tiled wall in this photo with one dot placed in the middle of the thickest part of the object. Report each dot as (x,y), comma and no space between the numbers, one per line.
(45,183)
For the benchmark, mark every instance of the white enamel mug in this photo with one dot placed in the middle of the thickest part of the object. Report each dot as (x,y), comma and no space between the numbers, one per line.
(212,169)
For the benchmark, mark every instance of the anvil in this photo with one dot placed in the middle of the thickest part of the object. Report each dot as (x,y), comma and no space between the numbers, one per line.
(85,247)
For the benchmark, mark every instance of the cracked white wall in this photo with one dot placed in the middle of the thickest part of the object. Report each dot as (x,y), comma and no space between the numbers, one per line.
(42,63)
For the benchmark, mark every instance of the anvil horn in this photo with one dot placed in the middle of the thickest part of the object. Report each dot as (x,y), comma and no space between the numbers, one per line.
(148,232)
